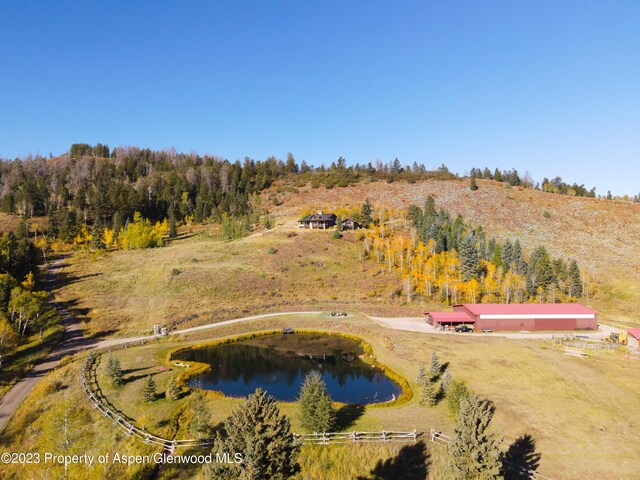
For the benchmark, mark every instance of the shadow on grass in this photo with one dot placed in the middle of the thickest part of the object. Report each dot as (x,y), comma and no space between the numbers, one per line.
(133,378)
(411,463)
(348,415)
(521,459)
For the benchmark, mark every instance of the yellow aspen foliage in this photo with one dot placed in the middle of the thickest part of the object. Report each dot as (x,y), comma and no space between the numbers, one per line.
(108,237)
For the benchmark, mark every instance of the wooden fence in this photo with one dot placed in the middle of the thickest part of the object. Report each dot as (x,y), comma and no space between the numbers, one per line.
(326,438)
(94,393)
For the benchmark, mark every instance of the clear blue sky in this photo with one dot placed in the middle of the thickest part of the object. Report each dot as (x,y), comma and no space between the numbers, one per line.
(550,87)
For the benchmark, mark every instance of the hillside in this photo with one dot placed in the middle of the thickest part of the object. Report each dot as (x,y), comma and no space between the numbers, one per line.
(603,235)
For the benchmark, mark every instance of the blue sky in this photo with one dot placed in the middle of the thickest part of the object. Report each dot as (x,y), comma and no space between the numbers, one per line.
(549,87)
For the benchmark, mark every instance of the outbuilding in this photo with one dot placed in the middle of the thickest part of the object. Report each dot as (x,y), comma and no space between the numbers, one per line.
(633,337)
(518,316)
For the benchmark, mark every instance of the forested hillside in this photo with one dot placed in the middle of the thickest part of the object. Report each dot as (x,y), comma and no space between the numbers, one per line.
(95,184)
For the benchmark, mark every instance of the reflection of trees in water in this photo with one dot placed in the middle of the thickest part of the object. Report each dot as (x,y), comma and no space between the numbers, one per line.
(241,361)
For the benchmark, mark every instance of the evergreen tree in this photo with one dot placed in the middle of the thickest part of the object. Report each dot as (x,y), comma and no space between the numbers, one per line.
(68,225)
(422,375)
(96,235)
(263,436)
(507,254)
(366,215)
(456,393)
(469,261)
(518,259)
(316,411)
(428,393)
(173,391)
(173,228)
(114,371)
(575,282)
(446,382)
(435,366)
(149,390)
(543,274)
(474,451)
(473,186)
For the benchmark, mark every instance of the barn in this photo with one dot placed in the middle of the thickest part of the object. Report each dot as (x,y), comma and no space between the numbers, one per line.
(518,316)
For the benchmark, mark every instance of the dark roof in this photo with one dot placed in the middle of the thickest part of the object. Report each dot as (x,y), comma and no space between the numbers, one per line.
(318,217)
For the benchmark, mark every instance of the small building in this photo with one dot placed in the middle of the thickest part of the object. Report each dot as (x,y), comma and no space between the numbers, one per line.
(318,220)
(633,339)
(350,224)
(518,317)
(448,320)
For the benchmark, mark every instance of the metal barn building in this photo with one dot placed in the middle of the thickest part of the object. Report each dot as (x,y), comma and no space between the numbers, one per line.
(517,316)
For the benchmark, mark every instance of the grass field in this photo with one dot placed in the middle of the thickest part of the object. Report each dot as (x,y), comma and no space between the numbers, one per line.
(576,410)
(127,292)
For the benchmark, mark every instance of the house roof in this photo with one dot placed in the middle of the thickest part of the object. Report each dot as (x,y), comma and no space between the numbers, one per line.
(527,309)
(319,217)
(451,317)
(634,332)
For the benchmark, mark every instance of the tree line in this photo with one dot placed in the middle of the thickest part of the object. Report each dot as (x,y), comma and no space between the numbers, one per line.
(94,183)
(22,305)
(446,259)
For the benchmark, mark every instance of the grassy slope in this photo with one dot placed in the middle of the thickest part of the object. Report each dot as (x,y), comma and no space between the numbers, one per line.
(577,410)
(129,291)
(604,236)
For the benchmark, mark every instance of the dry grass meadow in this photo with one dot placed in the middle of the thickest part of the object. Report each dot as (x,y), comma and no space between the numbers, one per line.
(576,410)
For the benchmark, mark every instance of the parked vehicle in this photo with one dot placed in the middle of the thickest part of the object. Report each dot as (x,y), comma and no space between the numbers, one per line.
(487,330)
(464,329)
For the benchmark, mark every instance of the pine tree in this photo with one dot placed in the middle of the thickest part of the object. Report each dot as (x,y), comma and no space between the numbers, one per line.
(446,382)
(173,391)
(114,371)
(316,411)
(575,282)
(469,261)
(366,215)
(518,259)
(473,186)
(428,393)
(96,235)
(435,366)
(149,390)
(474,451)
(422,375)
(259,432)
(456,393)
(507,254)
(173,228)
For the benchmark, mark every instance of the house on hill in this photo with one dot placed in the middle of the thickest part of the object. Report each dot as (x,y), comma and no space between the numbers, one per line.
(350,224)
(517,317)
(318,220)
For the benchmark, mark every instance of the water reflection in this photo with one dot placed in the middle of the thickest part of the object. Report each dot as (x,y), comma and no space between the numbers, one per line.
(278,364)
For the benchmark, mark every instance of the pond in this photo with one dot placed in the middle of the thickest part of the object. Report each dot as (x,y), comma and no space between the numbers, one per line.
(278,363)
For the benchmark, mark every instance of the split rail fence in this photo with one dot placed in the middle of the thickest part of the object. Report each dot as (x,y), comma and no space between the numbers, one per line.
(326,438)
(94,393)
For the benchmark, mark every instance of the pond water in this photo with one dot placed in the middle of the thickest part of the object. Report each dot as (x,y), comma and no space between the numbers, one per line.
(278,363)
